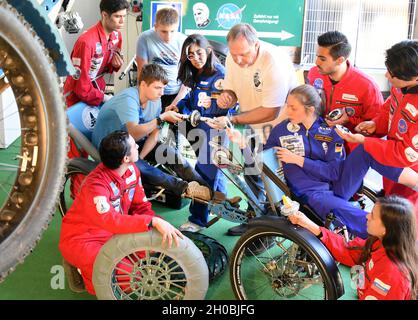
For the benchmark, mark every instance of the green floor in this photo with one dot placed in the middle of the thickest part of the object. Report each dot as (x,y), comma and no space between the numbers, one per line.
(39,276)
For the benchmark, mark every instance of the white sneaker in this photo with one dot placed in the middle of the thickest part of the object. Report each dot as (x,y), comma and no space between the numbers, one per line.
(195,190)
(190,227)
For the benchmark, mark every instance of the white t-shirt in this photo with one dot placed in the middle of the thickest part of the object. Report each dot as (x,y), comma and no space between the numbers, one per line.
(264,84)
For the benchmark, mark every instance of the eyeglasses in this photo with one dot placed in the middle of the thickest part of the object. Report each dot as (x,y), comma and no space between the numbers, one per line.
(195,55)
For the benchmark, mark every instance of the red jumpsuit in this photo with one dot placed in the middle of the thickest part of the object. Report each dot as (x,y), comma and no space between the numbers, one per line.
(398,119)
(383,280)
(356,92)
(106,205)
(91,56)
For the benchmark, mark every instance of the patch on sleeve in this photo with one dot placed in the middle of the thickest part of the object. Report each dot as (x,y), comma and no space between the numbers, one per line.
(369,297)
(412,110)
(102,206)
(380,287)
(132,177)
(411,154)
(76,62)
(338,147)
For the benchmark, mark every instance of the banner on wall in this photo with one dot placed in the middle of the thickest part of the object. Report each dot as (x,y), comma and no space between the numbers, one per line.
(278,22)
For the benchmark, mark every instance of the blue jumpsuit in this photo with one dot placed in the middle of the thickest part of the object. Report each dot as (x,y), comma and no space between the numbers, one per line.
(327,181)
(209,86)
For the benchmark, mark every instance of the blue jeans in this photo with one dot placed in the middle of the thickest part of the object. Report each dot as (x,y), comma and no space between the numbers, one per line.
(156,177)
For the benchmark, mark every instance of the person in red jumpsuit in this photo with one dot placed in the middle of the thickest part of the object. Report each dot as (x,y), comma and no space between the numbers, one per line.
(397,119)
(342,85)
(96,52)
(387,262)
(111,201)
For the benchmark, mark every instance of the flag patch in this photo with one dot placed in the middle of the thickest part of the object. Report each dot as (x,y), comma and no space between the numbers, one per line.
(380,287)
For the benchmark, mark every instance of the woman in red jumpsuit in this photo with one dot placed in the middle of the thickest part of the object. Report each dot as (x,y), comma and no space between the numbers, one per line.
(387,260)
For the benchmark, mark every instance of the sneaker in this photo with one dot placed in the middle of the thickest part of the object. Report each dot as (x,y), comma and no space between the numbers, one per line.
(195,190)
(237,230)
(190,227)
(74,278)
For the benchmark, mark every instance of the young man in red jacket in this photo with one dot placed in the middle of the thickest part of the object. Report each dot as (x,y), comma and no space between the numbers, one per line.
(342,85)
(397,119)
(96,52)
(111,201)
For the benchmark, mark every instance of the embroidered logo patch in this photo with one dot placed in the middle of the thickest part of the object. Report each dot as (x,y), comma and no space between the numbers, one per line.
(350,97)
(293,127)
(380,287)
(402,126)
(412,110)
(89,117)
(102,206)
(415,141)
(324,129)
(350,111)
(219,84)
(411,154)
(320,137)
(338,147)
(318,83)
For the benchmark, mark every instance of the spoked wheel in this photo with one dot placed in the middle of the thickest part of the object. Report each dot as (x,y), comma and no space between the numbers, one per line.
(273,264)
(31,170)
(136,267)
(77,170)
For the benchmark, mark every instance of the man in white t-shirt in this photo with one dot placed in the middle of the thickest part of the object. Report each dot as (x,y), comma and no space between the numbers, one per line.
(258,76)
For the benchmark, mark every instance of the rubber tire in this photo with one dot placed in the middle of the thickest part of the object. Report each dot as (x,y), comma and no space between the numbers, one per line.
(215,253)
(290,234)
(187,255)
(27,212)
(75,166)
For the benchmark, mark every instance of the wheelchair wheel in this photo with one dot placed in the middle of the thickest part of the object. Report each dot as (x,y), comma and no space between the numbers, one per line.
(215,253)
(77,171)
(288,269)
(136,267)
(32,168)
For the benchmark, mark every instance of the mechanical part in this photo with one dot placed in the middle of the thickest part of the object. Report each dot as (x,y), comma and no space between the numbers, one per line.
(335,114)
(277,260)
(342,128)
(215,253)
(42,27)
(71,21)
(136,267)
(30,185)
(76,167)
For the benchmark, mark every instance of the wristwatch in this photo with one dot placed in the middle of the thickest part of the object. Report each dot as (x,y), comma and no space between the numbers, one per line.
(159,122)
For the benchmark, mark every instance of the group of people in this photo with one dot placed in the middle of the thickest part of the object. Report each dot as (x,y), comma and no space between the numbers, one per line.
(179,74)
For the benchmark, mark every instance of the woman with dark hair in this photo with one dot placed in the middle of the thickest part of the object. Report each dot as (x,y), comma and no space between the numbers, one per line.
(201,71)
(388,257)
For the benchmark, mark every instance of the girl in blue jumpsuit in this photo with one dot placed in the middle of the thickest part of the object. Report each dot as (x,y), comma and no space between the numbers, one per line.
(201,71)
(314,161)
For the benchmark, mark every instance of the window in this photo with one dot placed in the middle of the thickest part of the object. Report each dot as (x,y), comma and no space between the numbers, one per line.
(371,26)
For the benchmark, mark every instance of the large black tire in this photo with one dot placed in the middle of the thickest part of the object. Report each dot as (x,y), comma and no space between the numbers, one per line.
(178,273)
(258,264)
(30,199)
(215,253)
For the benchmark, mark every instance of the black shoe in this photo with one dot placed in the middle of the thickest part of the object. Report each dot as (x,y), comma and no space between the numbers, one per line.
(74,278)
(237,230)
